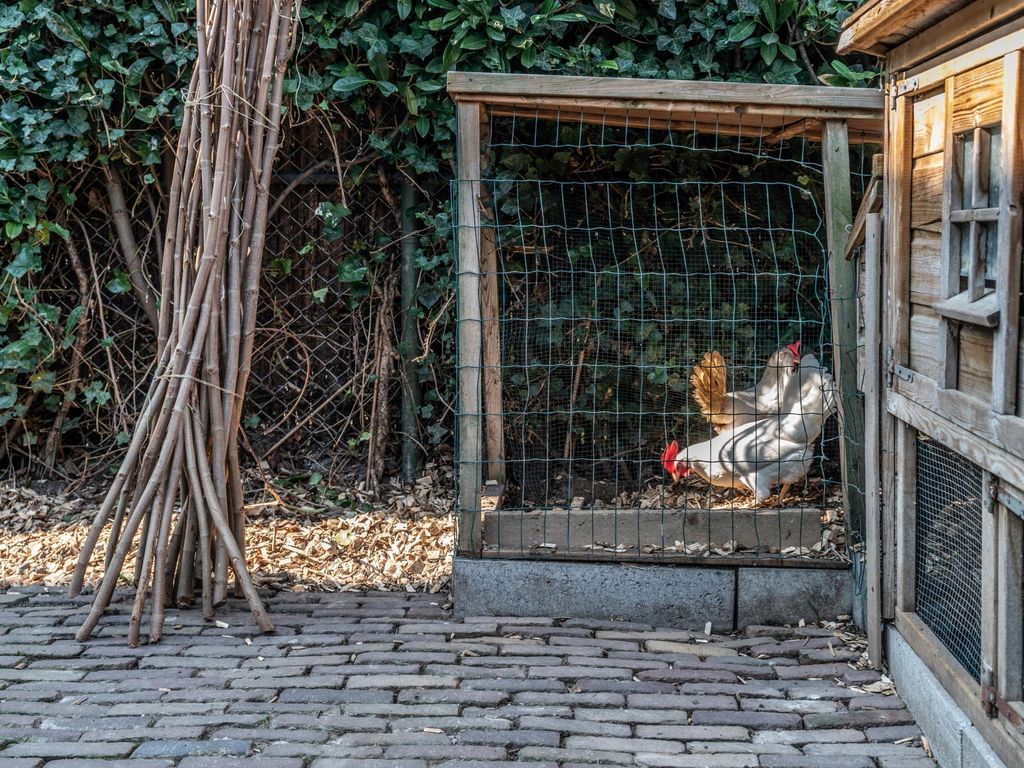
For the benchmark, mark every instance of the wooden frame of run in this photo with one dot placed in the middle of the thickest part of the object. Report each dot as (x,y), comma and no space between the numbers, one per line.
(964,93)
(835,116)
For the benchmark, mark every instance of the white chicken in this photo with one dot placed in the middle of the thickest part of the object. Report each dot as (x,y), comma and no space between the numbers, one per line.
(754,457)
(728,410)
(773,451)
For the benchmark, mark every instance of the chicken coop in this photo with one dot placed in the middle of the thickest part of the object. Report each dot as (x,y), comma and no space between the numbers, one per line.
(658,409)
(941,242)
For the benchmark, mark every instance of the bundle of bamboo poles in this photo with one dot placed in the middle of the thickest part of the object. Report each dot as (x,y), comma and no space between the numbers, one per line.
(178,492)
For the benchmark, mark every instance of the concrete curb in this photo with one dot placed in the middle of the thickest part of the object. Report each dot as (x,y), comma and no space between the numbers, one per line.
(659,595)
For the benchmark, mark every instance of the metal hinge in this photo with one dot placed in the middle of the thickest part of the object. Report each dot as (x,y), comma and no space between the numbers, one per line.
(909,85)
(994,705)
(903,373)
(1012,503)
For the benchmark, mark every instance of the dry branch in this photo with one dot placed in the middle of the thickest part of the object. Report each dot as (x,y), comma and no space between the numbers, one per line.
(177,494)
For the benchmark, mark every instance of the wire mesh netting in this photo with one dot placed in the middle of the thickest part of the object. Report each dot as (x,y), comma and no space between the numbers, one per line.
(665,345)
(948,558)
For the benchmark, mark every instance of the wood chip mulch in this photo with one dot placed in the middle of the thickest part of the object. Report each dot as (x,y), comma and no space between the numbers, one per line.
(395,538)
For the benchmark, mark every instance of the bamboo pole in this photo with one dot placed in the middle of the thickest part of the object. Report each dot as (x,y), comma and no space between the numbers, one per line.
(180,481)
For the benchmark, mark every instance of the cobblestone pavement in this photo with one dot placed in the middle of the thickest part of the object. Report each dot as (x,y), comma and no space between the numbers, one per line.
(390,680)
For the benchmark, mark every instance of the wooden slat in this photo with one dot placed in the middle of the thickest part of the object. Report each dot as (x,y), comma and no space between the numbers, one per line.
(978,17)
(1004,434)
(926,193)
(843,290)
(872,448)
(469,327)
(914,409)
(978,97)
(949,275)
(1006,352)
(637,93)
(974,373)
(925,261)
(968,215)
(983,312)
(929,123)
(974,53)
(870,203)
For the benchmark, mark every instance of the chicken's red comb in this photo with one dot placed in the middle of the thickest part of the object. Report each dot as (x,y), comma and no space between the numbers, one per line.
(794,348)
(668,456)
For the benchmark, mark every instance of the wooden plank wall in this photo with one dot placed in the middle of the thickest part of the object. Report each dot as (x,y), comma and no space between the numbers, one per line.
(929,116)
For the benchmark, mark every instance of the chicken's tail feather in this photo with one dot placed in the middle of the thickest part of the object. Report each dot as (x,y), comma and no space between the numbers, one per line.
(709,387)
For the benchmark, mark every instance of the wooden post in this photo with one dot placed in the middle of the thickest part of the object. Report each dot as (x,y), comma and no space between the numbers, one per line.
(843,299)
(906,518)
(1005,345)
(872,445)
(494,419)
(469,328)
(1009,622)
(989,578)
(896,266)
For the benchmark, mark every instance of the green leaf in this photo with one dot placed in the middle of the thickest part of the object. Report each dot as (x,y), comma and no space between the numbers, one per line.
(404,9)
(349,84)
(12,229)
(119,283)
(320,294)
(742,31)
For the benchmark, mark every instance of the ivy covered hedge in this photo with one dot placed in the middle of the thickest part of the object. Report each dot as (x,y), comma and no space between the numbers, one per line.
(90,95)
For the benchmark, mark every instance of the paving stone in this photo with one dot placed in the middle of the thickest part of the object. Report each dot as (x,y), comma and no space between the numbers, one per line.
(615,715)
(681,701)
(55,749)
(590,699)
(624,744)
(74,763)
(876,701)
(798,706)
(348,762)
(177,749)
(460,696)
(842,735)
(697,761)
(452,752)
(568,755)
(810,761)
(517,738)
(20,762)
(744,747)
(892,733)
(240,762)
(757,720)
(861,719)
(693,732)
(807,671)
(565,725)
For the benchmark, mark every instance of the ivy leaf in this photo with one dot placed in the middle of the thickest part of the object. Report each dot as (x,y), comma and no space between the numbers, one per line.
(349,84)
(404,9)
(320,295)
(667,8)
(119,283)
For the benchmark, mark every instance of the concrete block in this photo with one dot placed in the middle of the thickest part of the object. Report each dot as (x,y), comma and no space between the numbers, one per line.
(786,595)
(519,530)
(976,753)
(658,595)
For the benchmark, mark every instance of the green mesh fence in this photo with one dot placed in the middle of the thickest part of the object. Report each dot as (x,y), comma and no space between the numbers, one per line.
(626,257)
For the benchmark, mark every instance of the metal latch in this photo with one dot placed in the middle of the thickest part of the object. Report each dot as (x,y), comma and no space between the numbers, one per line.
(994,705)
(1010,501)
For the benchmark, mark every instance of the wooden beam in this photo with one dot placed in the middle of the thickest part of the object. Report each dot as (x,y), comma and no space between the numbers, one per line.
(491,309)
(469,328)
(972,54)
(872,447)
(843,300)
(684,95)
(964,25)
(871,203)
(1009,622)
(878,25)
(1005,348)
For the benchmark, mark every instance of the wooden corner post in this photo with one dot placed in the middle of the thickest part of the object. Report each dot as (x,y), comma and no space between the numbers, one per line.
(843,301)
(872,441)
(468,423)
